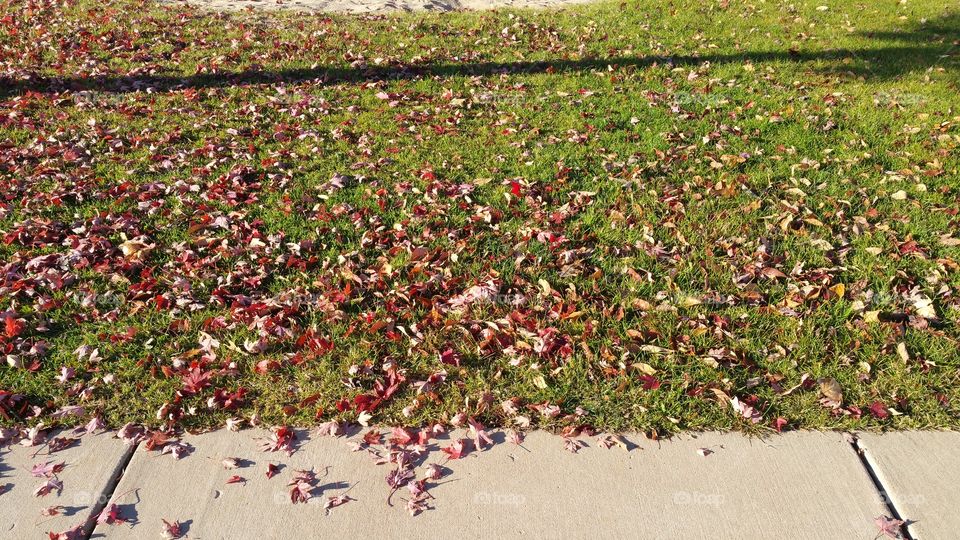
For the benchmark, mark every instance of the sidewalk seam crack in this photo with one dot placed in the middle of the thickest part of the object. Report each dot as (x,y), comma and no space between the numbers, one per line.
(108,491)
(878,484)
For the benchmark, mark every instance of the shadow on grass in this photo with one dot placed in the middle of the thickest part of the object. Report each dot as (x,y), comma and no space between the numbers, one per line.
(934,44)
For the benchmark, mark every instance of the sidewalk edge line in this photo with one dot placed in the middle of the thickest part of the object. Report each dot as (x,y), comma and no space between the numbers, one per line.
(873,471)
(108,490)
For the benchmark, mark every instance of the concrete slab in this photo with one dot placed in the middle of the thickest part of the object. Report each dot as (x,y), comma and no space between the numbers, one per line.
(799,485)
(90,470)
(920,471)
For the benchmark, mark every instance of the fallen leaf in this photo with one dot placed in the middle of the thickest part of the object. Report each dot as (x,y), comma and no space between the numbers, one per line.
(830,389)
(746,410)
(336,500)
(171,531)
(889,527)
(455,450)
(51,485)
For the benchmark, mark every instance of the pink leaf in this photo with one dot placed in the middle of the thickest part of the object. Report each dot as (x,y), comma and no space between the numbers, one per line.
(746,410)
(47,470)
(176,449)
(889,527)
(417,504)
(131,434)
(50,486)
(331,428)
(336,500)
(51,511)
(572,445)
(480,436)
(301,486)
(434,472)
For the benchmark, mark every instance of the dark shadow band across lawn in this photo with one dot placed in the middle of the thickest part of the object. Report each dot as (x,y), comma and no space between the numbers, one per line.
(932,45)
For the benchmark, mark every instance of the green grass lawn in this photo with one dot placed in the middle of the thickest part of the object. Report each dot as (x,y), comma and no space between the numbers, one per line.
(638,215)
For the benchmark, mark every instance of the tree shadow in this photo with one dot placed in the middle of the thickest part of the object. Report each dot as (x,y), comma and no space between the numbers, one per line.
(901,51)
(4,469)
(917,47)
(943,30)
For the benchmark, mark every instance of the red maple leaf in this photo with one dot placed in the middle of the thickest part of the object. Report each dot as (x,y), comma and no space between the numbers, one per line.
(650,382)
(365,402)
(51,485)
(111,515)
(372,437)
(384,390)
(879,410)
(301,486)
(171,530)
(450,356)
(60,443)
(335,501)
(9,404)
(317,344)
(228,400)
(157,440)
(456,450)
(282,438)
(13,327)
(479,434)
(265,366)
(196,380)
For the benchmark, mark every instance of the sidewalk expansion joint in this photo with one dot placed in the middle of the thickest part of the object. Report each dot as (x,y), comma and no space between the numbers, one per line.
(103,500)
(882,490)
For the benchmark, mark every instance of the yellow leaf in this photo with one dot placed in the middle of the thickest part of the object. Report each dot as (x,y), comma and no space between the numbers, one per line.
(547,290)
(644,368)
(902,351)
(839,290)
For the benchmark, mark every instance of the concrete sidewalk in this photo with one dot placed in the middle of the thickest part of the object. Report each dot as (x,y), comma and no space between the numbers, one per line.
(90,469)
(920,473)
(796,485)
